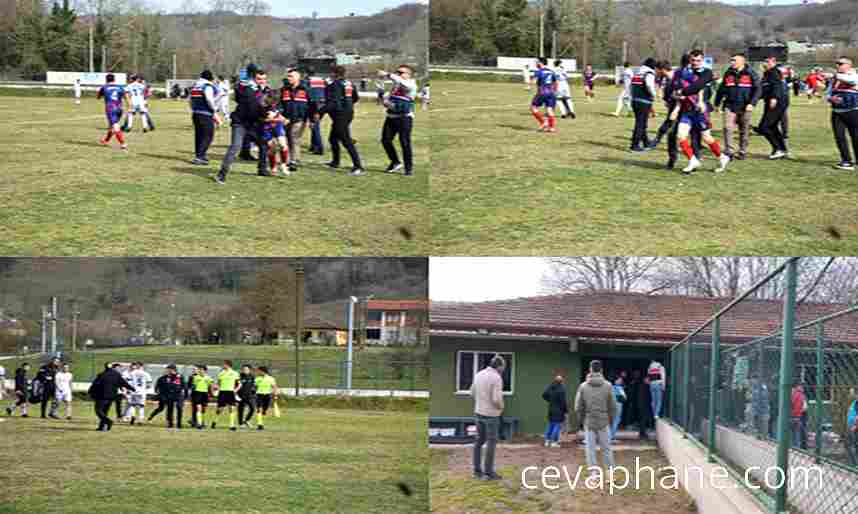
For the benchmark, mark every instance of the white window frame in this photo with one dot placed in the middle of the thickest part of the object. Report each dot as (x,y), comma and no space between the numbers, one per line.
(467,392)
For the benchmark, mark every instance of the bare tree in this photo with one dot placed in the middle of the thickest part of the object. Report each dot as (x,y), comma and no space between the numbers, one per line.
(622,274)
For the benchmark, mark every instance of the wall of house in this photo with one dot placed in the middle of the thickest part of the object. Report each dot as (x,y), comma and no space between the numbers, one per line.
(535,365)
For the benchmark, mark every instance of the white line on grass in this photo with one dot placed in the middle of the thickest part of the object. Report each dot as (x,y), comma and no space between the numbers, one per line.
(477,107)
(61,120)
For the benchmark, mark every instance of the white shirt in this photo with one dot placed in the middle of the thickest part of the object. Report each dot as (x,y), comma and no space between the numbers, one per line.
(77,89)
(140,380)
(63,381)
(138,93)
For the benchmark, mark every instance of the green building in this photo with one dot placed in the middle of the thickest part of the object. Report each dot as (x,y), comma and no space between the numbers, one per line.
(541,337)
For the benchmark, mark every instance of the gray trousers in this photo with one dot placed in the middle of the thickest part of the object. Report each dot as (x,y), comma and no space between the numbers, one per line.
(488,428)
(732,121)
(294,134)
(238,133)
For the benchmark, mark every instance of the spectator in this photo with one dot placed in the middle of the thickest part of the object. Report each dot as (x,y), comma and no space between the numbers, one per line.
(596,406)
(760,407)
(620,397)
(798,417)
(852,430)
(555,395)
(657,382)
(843,97)
(644,401)
(775,98)
(487,392)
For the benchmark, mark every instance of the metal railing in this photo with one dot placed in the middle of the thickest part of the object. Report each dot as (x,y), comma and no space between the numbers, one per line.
(782,403)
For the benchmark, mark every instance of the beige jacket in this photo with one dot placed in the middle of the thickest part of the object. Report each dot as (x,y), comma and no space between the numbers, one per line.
(487,391)
(595,402)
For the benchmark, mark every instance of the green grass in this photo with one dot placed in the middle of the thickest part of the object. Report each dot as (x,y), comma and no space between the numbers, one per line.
(308,461)
(374,368)
(511,190)
(63,194)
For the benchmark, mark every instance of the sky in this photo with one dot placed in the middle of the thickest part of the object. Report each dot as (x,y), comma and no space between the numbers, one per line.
(472,279)
(305,8)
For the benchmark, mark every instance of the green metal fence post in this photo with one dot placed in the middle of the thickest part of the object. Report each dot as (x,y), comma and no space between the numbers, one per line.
(820,339)
(784,435)
(686,382)
(670,395)
(714,367)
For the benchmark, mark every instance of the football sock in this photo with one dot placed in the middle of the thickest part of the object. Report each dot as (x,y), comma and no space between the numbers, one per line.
(120,137)
(716,148)
(284,156)
(109,134)
(552,121)
(538,116)
(686,148)
(259,419)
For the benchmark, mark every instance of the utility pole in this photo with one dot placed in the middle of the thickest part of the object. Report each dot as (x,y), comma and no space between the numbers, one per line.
(44,329)
(53,325)
(541,33)
(299,322)
(104,58)
(91,47)
(174,66)
(351,323)
(554,45)
(625,52)
(75,314)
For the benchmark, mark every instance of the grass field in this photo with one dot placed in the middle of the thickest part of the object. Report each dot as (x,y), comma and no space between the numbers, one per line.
(64,194)
(308,461)
(374,368)
(499,187)
(454,491)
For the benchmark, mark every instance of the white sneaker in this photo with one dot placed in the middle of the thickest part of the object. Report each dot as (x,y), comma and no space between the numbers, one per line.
(547,443)
(777,155)
(724,160)
(284,170)
(693,164)
(555,444)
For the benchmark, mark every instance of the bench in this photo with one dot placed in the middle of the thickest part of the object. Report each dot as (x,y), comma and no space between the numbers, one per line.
(454,429)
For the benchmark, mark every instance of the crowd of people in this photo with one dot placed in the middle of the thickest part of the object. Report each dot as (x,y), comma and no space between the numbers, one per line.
(599,406)
(240,395)
(274,120)
(691,93)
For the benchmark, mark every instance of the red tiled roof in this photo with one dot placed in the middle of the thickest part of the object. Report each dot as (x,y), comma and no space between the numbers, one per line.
(398,305)
(632,316)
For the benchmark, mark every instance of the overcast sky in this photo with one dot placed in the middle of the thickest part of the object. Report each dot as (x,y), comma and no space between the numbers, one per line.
(469,279)
(305,8)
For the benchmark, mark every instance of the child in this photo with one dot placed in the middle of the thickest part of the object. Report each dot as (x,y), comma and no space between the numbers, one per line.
(22,391)
(64,389)
(266,388)
(273,133)
(246,395)
(115,97)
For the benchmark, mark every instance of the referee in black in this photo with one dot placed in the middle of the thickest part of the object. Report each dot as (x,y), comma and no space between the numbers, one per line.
(340,97)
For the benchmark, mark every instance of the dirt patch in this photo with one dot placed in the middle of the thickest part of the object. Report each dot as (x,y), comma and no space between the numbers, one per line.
(455,491)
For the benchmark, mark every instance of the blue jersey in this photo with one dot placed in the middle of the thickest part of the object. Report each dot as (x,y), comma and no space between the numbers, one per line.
(545,80)
(113,95)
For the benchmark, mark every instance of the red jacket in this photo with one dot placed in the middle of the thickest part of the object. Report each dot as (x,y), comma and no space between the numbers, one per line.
(798,402)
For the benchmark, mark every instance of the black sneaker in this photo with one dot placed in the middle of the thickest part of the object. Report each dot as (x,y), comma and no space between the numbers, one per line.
(409,173)
(53,416)
(332,164)
(292,166)
(232,429)
(478,475)
(132,421)
(8,411)
(25,415)
(220,179)
(260,427)
(491,476)
(636,149)
(572,115)
(169,425)
(214,424)
(199,162)
(199,427)
(845,165)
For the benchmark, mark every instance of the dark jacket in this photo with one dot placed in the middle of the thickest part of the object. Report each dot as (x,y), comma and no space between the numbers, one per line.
(170,387)
(340,97)
(555,395)
(773,86)
(45,377)
(247,387)
(248,99)
(22,383)
(295,102)
(107,385)
(738,89)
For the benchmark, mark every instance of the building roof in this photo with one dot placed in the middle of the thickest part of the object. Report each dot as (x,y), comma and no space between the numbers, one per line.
(398,305)
(632,316)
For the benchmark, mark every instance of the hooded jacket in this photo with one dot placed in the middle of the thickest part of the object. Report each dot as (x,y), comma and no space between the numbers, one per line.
(595,403)
(107,384)
(555,395)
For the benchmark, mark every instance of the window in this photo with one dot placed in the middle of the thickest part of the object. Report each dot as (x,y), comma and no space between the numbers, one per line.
(373,315)
(393,318)
(373,334)
(470,363)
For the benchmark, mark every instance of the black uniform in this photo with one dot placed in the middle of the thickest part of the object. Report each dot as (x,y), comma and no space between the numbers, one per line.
(104,391)
(171,395)
(22,392)
(249,98)
(773,88)
(47,387)
(246,397)
(340,97)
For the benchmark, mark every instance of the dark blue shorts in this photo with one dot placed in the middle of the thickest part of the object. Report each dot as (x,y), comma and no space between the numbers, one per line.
(544,100)
(269,133)
(114,116)
(696,119)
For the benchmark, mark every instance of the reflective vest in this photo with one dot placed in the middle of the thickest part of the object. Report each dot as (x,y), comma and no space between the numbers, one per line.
(199,104)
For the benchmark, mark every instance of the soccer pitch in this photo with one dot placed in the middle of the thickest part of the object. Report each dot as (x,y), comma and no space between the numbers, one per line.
(308,461)
(499,187)
(64,194)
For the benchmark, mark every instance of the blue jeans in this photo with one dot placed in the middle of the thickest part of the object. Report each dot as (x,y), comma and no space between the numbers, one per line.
(594,438)
(552,433)
(616,424)
(656,390)
(488,428)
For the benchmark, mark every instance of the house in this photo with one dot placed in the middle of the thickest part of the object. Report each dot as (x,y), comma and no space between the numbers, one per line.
(544,336)
(396,321)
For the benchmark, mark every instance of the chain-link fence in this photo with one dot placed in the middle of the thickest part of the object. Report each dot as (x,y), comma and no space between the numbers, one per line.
(785,404)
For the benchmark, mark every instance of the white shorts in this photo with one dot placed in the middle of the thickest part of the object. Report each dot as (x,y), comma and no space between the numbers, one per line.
(563,92)
(64,395)
(139,108)
(137,400)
